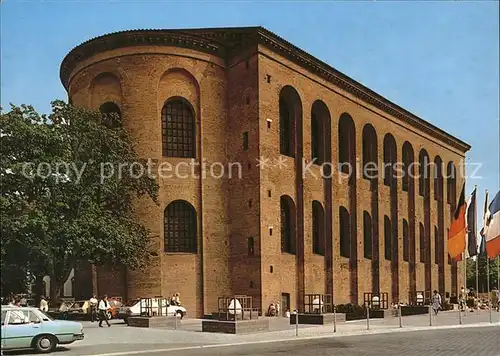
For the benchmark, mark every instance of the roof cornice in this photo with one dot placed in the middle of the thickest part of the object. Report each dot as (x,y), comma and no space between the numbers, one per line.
(222,42)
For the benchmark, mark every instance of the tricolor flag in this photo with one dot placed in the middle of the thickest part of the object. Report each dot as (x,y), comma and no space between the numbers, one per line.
(456,236)
(482,243)
(471,227)
(492,228)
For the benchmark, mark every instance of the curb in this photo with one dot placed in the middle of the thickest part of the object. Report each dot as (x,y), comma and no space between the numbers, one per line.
(299,338)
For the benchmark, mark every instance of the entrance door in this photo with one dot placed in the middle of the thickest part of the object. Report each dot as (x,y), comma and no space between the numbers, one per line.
(285,303)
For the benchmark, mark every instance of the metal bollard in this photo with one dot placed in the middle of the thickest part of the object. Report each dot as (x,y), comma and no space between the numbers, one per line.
(334,319)
(296,312)
(400,316)
(430,315)
(459,315)
(367,317)
(176,321)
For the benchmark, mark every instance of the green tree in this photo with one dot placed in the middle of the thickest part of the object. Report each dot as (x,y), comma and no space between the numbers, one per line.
(63,197)
(482,273)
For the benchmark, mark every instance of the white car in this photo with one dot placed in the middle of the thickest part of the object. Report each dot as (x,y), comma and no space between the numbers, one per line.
(150,307)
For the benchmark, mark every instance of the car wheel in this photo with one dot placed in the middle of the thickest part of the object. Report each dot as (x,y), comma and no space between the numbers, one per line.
(109,315)
(179,313)
(45,343)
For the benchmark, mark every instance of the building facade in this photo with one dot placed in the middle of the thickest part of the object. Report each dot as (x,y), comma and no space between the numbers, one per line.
(279,201)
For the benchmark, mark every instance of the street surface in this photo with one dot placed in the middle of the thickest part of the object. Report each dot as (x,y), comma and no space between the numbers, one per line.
(352,338)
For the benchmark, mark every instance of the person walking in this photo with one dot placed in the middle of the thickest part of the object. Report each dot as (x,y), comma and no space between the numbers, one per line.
(93,308)
(44,306)
(103,309)
(436,302)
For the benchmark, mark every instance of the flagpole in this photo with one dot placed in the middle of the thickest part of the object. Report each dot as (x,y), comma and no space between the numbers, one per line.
(475,237)
(488,283)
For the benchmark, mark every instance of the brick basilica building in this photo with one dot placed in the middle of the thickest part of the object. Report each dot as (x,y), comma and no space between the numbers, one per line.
(296,225)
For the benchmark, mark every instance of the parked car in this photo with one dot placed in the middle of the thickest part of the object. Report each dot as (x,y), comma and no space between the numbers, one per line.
(150,306)
(30,328)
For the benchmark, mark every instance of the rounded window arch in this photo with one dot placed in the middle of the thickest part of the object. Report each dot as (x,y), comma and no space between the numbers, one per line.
(370,162)
(180,227)
(288,236)
(111,112)
(290,114)
(390,159)
(318,228)
(178,128)
(347,144)
(408,173)
(451,184)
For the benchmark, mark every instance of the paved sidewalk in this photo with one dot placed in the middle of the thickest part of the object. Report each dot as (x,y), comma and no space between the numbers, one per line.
(125,338)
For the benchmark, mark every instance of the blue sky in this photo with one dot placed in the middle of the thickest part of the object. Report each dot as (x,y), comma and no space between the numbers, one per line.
(437,59)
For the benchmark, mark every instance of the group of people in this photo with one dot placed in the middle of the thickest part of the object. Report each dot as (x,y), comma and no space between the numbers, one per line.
(274,309)
(99,309)
(478,303)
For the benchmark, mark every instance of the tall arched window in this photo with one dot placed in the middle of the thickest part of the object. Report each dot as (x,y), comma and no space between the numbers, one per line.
(390,158)
(290,109)
(423,246)
(387,238)
(178,129)
(436,245)
(370,163)
(318,228)
(288,235)
(112,113)
(367,235)
(180,227)
(406,241)
(347,144)
(408,173)
(451,184)
(345,232)
(319,118)
(438,178)
(423,173)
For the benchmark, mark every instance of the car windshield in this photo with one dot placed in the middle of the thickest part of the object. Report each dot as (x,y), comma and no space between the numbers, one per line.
(132,302)
(45,316)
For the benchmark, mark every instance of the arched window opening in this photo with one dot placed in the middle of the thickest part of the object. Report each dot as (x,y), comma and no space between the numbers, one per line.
(408,172)
(345,233)
(422,243)
(290,111)
(180,227)
(178,129)
(112,114)
(390,157)
(317,139)
(436,245)
(288,238)
(438,178)
(347,144)
(367,235)
(318,228)
(423,173)
(406,241)
(451,184)
(370,163)
(387,238)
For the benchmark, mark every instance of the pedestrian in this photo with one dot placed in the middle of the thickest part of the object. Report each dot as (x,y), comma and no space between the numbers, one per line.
(436,302)
(93,308)
(177,299)
(462,298)
(44,305)
(103,311)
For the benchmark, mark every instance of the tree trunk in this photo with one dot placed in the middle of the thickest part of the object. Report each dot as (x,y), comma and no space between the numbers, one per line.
(39,290)
(94,280)
(55,289)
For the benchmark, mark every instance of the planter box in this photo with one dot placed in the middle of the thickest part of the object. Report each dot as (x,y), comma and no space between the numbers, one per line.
(374,314)
(235,327)
(154,322)
(417,310)
(317,319)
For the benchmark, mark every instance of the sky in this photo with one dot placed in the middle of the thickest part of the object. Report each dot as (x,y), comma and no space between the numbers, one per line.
(437,59)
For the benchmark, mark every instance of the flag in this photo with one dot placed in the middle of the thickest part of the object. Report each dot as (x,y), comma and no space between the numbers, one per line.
(482,243)
(471,227)
(492,228)
(456,236)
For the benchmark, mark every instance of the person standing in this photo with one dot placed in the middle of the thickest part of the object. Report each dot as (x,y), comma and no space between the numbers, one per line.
(436,302)
(93,308)
(103,311)
(44,306)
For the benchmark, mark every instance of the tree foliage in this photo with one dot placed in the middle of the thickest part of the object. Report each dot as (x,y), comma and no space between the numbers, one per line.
(59,201)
